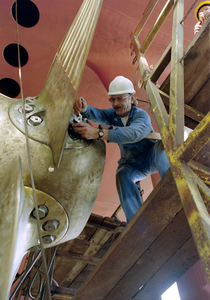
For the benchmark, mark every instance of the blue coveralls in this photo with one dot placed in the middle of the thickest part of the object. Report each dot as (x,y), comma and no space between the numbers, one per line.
(139,157)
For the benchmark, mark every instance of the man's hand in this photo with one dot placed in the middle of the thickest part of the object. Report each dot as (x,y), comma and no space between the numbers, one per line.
(80,105)
(197,27)
(89,132)
(86,130)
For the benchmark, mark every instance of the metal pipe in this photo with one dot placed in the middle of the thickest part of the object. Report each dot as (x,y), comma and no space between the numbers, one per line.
(156,27)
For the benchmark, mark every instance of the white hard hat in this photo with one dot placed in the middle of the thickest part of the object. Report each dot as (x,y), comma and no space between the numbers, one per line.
(121,85)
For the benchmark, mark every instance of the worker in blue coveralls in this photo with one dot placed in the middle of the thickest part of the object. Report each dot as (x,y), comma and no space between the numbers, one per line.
(128,126)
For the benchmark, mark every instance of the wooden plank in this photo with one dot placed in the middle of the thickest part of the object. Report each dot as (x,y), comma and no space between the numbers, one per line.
(62,264)
(196,63)
(196,66)
(182,261)
(198,103)
(104,223)
(202,171)
(87,259)
(97,241)
(157,256)
(95,219)
(196,75)
(148,223)
(76,284)
(203,156)
(161,65)
(62,297)
(62,290)
(82,277)
(189,111)
(145,16)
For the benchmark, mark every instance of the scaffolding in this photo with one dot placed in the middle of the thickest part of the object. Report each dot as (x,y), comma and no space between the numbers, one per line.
(148,255)
(192,182)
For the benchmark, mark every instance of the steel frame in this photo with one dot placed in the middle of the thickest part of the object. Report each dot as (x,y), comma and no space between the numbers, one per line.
(194,193)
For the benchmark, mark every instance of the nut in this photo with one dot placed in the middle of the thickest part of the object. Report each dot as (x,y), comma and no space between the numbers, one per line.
(43,210)
(48,239)
(28,108)
(51,225)
(34,120)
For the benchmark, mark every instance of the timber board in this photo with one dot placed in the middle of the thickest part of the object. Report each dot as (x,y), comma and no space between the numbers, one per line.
(203,155)
(154,271)
(170,272)
(196,74)
(93,241)
(159,210)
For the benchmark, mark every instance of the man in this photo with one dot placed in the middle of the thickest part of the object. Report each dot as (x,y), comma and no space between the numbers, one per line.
(129,126)
(202,12)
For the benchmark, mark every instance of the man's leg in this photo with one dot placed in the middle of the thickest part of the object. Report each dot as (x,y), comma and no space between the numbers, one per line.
(159,158)
(128,191)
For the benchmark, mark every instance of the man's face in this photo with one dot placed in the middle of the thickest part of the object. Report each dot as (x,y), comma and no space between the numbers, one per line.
(121,104)
(204,13)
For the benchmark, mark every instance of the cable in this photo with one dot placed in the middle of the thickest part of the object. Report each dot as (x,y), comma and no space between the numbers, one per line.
(23,274)
(30,166)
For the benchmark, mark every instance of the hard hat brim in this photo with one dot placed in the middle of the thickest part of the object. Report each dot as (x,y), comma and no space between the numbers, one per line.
(200,5)
(122,92)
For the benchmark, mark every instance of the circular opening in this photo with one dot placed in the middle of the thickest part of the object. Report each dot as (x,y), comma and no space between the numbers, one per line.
(9,87)
(27,13)
(11,55)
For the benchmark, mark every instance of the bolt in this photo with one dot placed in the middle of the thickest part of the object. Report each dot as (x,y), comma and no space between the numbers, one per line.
(31,99)
(48,239)
(43,210)
(34,120)
(51,225)
(28,108)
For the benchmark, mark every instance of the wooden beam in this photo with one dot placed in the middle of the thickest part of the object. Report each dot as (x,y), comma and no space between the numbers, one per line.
(197,139)
(149,222)
(145,16)
(144,281)
(97,241)
(202,171)
(196,70)
(161,65)
(179,263)
(196,63)
(189,111)
(87,259)
(156,27)
(62,290)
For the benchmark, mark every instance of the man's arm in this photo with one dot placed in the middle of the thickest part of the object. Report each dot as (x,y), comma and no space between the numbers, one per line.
(89,132)
(86,130)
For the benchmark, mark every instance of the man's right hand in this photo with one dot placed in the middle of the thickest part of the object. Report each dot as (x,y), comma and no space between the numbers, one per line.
(197,27)
(80,105)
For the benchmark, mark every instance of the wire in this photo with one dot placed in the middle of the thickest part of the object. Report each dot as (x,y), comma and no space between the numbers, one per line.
(30,166)
(23,275)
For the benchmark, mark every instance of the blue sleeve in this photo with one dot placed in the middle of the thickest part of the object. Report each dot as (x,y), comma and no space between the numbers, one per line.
(138,129)
(100,116)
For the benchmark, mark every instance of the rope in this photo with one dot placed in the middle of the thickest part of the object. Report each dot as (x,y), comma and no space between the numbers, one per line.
(30,166)
(188,12)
